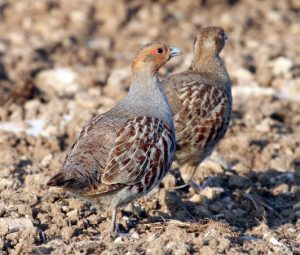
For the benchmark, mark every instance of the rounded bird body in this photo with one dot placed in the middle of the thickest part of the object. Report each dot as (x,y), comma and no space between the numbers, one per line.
(122,154)
(201,101)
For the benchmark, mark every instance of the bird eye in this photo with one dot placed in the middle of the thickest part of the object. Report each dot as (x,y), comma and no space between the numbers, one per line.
(160,50)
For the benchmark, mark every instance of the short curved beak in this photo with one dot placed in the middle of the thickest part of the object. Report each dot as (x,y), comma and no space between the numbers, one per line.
(175,52)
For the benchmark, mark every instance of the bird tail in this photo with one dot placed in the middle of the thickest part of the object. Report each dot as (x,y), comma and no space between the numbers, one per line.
(57,180)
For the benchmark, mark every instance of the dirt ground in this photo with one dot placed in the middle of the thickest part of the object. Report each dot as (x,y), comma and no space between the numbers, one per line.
(64,61)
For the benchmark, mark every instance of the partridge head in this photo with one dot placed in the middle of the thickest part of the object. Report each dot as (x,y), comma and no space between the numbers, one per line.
(210,41)
(152,57)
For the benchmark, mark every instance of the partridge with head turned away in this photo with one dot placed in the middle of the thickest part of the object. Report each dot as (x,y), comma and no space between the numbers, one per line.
(124,153)
(201,102)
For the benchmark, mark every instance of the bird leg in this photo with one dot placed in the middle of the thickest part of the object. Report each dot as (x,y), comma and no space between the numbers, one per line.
(193,184)
(114,227)
(218,164)
(200,187)
(215,161)
(187,175)
(114,231)
(132,207)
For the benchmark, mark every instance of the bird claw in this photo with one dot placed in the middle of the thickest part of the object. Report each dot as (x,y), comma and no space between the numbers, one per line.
(200,187)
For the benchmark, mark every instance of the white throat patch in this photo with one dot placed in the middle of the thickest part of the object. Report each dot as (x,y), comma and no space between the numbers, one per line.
(208,44)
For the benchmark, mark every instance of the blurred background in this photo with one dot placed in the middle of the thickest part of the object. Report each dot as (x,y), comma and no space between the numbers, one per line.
(65,61)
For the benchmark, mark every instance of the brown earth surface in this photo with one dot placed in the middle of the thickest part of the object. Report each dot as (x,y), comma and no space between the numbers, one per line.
(64,61)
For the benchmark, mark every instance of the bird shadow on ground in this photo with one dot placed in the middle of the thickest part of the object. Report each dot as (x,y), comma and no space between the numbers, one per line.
(243,202)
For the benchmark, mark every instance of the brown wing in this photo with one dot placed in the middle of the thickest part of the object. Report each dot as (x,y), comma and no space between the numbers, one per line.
(86,161)
(202,120)
(143,152)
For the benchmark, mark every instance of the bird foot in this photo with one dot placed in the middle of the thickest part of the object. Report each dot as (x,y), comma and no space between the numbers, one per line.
(137,210)
(196,186)
(118,233)
(199,187)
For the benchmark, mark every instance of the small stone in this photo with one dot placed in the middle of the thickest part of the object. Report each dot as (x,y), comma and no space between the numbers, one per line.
(4,229)
(118,240)
(207,251)
(76,204)
(107,9)
(8,157)
(224,243)
(14,237)
(115,83)
(67,232)
(151,237)
(274,241)
(59,81)
(80,224)
(24,209)
(99,43)
(73,214)
(33,180)
(241,168)
(6,183)
(177,248)
(279,163)
(65,208)
(292,230)
(9,225)
(135,235)
(86,100)
(296,206)
(196,198)
(211,193)
(281,189)
(32,107)
(281,65)
(93,219)
(264,126)
(169,181)
(107,102)
(47,160)
(2,209)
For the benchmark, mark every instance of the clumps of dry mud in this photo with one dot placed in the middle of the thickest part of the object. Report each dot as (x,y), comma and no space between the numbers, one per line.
(62,62)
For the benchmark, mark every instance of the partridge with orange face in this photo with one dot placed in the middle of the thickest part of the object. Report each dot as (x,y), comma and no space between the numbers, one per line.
(201,102)
(124,153)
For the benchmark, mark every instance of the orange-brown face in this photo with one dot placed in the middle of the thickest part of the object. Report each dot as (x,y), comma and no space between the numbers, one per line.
(210,40)
(153,56)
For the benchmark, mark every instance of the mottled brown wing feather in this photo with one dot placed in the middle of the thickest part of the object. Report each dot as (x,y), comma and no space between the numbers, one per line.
(143,153)
(140,142)
(202,121)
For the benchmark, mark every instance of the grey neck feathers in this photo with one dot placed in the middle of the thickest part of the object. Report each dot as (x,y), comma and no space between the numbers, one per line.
(212,67)
(146,97)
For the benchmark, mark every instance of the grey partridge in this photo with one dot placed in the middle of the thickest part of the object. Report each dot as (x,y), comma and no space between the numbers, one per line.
(124,153)
(201,102)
